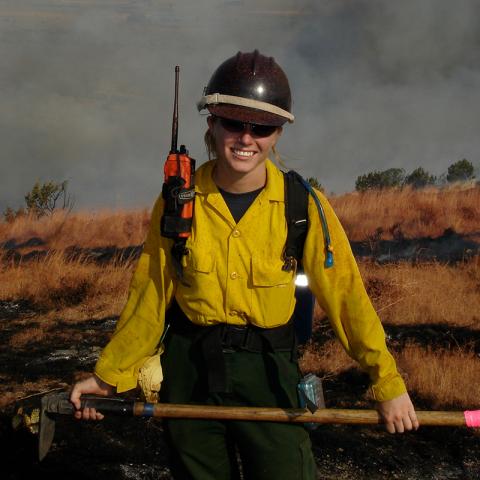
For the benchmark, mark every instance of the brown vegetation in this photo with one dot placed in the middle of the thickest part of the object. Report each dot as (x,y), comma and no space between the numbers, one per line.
(83,229)
(406,294)
(327,361)
(424,293)
(427,212)
(28,335)
(54,283)
(446,379)
(434,375)
(403,294)
(408,212)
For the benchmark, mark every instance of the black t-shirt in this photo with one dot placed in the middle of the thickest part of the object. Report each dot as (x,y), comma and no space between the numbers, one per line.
(238,203)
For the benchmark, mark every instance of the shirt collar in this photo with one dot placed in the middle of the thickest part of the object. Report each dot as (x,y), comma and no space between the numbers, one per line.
(274,189)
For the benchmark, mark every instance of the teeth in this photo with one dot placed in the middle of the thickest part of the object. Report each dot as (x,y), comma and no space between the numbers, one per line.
(243,153)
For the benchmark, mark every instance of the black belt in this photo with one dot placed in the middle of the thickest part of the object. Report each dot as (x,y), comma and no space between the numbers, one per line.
(222,338)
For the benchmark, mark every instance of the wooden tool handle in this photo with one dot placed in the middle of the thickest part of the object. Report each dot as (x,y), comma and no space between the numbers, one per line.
(324,415)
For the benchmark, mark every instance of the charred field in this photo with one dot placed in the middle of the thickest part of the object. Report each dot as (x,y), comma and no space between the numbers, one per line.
(135,448)
(60,299)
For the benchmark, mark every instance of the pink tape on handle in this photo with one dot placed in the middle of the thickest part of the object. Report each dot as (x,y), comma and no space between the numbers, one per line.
(472,418)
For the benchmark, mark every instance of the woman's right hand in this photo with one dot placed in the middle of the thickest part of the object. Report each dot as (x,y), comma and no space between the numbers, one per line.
(91,385)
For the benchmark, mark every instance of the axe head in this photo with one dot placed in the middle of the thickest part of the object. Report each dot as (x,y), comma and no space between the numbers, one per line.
(46,431)
(51,404)
(310,390)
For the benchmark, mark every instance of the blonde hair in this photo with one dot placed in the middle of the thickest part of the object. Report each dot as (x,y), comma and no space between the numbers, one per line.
(277,158)
(210,145)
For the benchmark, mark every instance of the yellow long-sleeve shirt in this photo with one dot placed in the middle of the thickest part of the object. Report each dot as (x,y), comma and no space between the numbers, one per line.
(234,272)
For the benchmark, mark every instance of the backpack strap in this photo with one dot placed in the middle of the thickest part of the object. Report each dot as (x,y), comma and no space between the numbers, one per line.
(296,215)
(297,191)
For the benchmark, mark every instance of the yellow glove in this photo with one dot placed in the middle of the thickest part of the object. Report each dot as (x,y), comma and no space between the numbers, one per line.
(150,377)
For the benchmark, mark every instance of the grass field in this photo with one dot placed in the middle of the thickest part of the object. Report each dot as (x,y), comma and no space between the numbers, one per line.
(409,212)
(404,294)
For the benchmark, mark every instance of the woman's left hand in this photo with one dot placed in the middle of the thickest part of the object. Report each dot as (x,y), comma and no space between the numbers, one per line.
(398,414)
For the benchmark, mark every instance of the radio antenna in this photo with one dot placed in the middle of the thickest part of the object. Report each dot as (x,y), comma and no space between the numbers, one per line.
(175,114)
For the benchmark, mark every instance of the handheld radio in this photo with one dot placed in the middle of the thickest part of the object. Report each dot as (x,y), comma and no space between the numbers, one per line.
(178,191)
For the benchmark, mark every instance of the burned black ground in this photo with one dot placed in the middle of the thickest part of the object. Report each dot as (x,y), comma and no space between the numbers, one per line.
(135,448)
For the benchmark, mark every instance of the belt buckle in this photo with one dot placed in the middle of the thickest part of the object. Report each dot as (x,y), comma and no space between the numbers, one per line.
(230,336)
(246,338)
(226,339)
(244,333)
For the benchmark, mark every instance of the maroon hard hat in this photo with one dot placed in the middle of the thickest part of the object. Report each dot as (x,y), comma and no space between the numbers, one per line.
(249,87)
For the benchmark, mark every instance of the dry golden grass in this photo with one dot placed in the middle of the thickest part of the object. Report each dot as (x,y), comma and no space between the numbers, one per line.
(446,379)
(46,329)
(83,229)
(28,335)
(56,284)
(22,390)
(416,213)
(434,375)
(406,294)
(328,361)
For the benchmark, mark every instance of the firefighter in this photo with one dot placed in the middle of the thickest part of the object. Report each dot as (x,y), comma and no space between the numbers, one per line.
(231,341)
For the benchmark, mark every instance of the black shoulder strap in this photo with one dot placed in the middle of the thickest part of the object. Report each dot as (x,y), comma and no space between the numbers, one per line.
(296,214)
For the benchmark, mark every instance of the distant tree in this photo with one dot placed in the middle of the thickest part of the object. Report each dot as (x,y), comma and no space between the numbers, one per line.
(419,178)
(42,199)
(10,215)
(392,177)
(460,171)
(368,181)
(313,181)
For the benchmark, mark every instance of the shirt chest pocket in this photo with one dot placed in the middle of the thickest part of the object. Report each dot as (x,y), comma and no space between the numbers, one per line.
(200,291)
(272,291)
(201,263)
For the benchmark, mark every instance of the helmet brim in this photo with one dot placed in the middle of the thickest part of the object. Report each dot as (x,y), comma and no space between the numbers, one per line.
(246,115)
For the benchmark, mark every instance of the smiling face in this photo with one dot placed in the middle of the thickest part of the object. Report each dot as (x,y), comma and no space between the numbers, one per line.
(240,156)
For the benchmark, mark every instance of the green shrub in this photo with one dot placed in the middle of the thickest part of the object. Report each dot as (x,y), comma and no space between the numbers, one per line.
(43,199)
(392,177)
(460,171)
(420,178)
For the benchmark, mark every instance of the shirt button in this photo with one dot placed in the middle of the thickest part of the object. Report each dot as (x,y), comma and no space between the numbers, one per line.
(236,234)
(234,275)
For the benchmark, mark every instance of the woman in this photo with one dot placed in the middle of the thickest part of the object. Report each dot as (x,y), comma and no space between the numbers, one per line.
(231,341)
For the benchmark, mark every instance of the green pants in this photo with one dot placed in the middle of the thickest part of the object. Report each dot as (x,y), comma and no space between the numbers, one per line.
(207,449)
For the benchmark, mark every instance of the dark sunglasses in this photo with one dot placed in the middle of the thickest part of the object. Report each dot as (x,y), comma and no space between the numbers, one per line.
(235,126)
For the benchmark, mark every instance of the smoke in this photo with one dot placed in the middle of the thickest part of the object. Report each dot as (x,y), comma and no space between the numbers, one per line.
(87,87)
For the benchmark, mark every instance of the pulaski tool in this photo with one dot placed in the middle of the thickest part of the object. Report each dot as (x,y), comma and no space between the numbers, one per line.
(55,403)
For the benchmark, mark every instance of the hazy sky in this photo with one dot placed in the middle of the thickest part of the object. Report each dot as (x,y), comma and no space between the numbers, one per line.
(87,87)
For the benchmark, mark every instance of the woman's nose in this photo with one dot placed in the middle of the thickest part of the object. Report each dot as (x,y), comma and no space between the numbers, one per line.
(246,135)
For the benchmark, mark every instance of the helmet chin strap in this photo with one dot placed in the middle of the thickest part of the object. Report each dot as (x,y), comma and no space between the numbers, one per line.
(216,98)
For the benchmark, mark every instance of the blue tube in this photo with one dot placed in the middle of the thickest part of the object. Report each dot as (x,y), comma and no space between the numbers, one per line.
(323,220)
